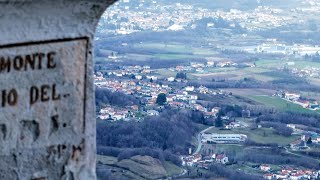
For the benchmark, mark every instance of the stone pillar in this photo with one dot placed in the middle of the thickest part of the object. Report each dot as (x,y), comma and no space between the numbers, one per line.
(47,111)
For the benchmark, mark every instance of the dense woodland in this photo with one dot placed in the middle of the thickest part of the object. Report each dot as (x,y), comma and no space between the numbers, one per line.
(168,134)
(105,96)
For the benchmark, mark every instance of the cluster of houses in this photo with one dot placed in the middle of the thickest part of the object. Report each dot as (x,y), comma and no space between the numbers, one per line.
(289,173)
(198,160)
(274,47)
(146,73)
(307,72)
(199,67)
(235,124)
(179,16)
(148,92)
(135,72)
(306,138)
(114,113)
(296,99)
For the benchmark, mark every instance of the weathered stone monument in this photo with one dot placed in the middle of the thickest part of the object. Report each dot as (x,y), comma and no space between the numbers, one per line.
(47,112)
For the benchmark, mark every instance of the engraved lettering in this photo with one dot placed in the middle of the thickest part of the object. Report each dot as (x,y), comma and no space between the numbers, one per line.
(30,60)
(40,56)
(44,93)
(5,64)
(4,98)
(18,63)
(51,64)
(34,95)
(55,96)
(10,98)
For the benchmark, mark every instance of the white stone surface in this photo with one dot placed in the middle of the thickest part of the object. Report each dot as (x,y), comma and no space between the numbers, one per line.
(52,138)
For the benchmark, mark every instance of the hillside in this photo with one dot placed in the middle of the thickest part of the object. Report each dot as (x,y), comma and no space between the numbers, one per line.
(137,167)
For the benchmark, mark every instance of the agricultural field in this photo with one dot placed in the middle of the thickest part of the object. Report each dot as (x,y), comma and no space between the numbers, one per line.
(279,104)
(233,73)
(169,56)
(159,51)
(138,57)
(305,64)
(250,92)
(314,81)
(177,48)
(173,48)
(167,73)
(174,51)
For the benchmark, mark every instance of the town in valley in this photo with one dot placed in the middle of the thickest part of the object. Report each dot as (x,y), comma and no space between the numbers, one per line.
(186,90)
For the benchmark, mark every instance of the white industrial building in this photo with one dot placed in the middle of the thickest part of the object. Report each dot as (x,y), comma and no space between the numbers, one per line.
(223,138)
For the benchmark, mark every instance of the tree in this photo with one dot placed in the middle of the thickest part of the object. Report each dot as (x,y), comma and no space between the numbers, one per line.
(219,122)
(309,141)
(181,75)
(161,99)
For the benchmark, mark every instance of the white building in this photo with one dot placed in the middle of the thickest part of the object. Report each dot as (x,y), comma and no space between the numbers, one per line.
(152,77)
(193,97)
(152,113)
(223,138)
(292,96)
(265,167)
(190,88)
(171,79)
(139,77)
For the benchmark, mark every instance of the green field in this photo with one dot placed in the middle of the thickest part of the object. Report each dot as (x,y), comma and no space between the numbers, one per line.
(173,48)
(175,51)
(273,64)
(167,73)
(234,73)
(178,48)
(171,168)
(269,63)
(109,160)
(279,104)
(170,56)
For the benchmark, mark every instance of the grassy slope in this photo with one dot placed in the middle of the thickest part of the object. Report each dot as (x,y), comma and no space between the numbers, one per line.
(141,166)
(144,166)
(171,168)
(279,104)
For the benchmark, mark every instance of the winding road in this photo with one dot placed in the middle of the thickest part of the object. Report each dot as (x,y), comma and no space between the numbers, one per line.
(199,139)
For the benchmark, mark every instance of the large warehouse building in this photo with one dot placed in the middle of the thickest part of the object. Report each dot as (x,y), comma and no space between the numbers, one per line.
(223,138)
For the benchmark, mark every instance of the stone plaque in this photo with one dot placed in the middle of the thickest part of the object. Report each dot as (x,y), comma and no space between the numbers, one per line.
(42,100)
